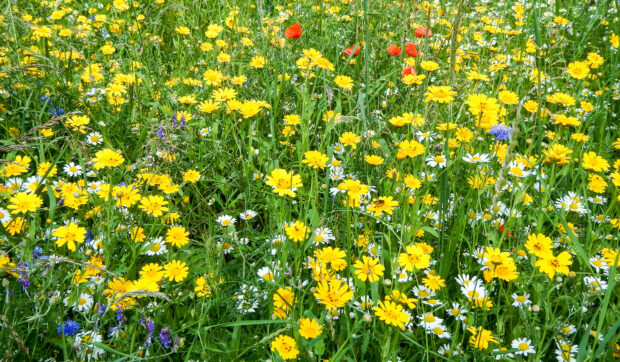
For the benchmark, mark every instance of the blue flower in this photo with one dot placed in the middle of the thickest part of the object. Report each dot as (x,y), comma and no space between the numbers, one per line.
(164,337)
(501,132)
(68,328)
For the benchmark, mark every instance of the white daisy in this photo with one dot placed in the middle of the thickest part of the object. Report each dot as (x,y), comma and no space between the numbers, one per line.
(523,346)
(72,170)
(94,138)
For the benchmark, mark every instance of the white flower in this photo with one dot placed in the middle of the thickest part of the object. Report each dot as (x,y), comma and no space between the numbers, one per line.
(523,345)
(94,138)
(158,247)
(521,300)
(438,160)
(226,220)
(248,215)
(72,170)
(5,216)
(476,158)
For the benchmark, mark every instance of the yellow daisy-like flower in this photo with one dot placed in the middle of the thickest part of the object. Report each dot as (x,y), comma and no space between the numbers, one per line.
(175,270)
(70,235)
(283,182)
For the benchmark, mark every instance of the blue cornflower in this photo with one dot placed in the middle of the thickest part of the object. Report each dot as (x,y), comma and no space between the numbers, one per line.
(501,132)
(68,328)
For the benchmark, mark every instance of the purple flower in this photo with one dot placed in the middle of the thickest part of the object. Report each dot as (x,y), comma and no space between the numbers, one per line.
(149,325)
(164,337)
(501,132)
(68,328)
(160,133)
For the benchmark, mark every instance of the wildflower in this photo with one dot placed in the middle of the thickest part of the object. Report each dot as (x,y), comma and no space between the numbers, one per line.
(333,294)
(373,160)
(415,257)
(283,182)
(382,204)
(353,50)
(578,70)
(285,346)
(410,50)
(422,32)
(350,139)
(23,202)
(297,231)
(539,245)
(501,132)
(226,220)
(523,345)
(439,94)
(394,50)
(68,328)
(552,264)
(392,314)
(175,270)
(594,162)
(177,236)
(153,205)
(368,269)
(191,176)
(409,149)
(70,235)
(344,82)
(107,158)
(315,159)
(521,300)
(293,32)
(480,338)
(309,328)
(164,337)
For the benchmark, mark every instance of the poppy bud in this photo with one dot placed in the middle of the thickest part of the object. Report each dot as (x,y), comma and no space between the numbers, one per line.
(408,70)
(293,32)
(393,50)
(421,32)
(410,49)
(355,49)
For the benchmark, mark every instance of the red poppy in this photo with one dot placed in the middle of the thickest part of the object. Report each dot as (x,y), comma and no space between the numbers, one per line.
(393,50)
(421,32)
(293,31)
(408,70)
(350,49)
(411,50)
(501,230)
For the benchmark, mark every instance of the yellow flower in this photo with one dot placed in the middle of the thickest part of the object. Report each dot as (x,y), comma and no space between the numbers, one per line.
(315,159)
(409,149)
(309,328)
(480,338)
(429,65)
(23,202)
(153,205)
(108,158)
(594,162)
(344,82)
(392,314)
(258,62)
(191,176)
(177,236)
(551,264)
(286,347)
(70,234)
(283,182)
(297,231)
(382,204)
(208,106)
(333,294)
(368,269)
(539,245)
(440,94)
(415,257)
(175,270)
(284,298)
(508,97)
(183,30)
(374,160)
(349,139)
(578,70)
